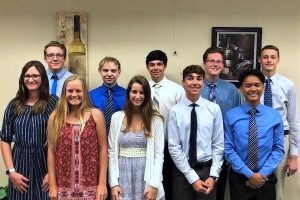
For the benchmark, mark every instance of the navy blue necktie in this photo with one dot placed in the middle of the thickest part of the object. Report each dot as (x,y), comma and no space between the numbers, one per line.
(252,160)
(54,77)
(109,109)
(193,137)
(268,93)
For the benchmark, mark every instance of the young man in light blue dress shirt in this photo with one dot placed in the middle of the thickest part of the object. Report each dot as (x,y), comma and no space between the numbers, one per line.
(284,99)
(195,180)
(55,56)
(253,142)
(219,91)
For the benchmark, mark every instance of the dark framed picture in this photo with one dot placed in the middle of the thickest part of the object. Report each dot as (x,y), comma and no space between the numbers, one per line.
(241,46)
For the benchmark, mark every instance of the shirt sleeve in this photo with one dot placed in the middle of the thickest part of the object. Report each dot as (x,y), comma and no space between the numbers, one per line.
(293,120)
(217,144)
(7,131)
(231,154)
(176,152)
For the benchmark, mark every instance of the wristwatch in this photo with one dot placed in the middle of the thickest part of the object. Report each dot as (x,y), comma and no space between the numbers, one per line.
(215,178)
(9,171)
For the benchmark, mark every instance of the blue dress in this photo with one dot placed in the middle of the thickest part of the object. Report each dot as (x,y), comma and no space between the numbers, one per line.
(29,152)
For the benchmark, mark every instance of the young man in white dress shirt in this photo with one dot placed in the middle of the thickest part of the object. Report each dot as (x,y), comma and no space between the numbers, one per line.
(198,160)
(284,99)
(165,94)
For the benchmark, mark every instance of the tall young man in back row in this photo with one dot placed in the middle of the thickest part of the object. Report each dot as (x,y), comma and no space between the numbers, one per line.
(280,94)
(165,94)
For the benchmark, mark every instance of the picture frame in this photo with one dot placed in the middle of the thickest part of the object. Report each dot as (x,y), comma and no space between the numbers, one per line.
(241,47)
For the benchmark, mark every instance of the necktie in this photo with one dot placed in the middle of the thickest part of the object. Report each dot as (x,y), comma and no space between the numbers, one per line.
(212,92)
(268,93)
(193,137)
(54,77)
(156,95)
(252,160)
(109,109)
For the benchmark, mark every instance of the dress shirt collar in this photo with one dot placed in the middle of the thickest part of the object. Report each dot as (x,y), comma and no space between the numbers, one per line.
(273,78)
(161,83)
(113,88)
(207,82)
(59,74)
(247,107)
(188,102)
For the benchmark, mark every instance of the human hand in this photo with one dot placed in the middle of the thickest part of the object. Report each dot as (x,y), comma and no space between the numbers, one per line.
(116,193)
(200,186)
(19,181)
(291,165)
(101,193)
(256,181)
(210,185)
(53,192)
(150,193)
(45,184)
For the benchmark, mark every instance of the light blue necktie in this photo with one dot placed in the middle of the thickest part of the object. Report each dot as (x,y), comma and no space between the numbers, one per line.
(212,92)
(54,77)
(268,93)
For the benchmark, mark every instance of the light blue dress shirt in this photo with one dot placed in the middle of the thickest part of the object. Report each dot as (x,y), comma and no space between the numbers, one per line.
(62,76)
(270,139)
(227,95)
(210,136)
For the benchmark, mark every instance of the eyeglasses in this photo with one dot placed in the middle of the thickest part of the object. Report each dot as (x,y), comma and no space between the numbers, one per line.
(52,55)
(35,77)
(215,61)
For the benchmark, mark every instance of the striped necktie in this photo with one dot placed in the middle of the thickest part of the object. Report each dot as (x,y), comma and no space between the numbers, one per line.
(156,95)
(109,109)
(268,93)
(252,160)
(212,92)
(193,137)
(54,77)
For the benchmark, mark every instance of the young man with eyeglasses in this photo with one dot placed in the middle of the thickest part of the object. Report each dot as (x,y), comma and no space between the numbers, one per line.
(221,92)
(55,56)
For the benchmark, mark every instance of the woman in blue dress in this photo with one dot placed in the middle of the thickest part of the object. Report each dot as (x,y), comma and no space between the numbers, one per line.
(25,124)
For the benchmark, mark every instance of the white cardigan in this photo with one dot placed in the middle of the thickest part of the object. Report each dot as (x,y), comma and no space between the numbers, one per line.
(154,156)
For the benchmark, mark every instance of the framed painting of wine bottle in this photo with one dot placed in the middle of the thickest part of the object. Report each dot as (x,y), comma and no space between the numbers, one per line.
(72,31)
(241,46)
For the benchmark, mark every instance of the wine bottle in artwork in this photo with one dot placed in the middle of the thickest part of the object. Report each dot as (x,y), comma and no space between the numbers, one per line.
(77,51)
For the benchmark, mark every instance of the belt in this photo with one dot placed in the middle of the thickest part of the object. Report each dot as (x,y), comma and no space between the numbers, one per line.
(286,132)
(133,152)
(201,165)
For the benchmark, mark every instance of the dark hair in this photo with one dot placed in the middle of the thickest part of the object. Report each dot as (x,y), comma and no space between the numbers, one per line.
(157,55)
(269,47)
(213,50)
(23,95)
(147,110)
(55,44)
(197,69)
(251,72)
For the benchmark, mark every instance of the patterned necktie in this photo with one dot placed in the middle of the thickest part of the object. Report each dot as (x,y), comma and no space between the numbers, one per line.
(193,137)
(109,109)
(252,160)
(156,95)
(212,92)
(268,93)
(54,77)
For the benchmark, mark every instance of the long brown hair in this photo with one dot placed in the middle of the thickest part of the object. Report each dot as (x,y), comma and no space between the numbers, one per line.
(147,110)
(23,93)
(62,109)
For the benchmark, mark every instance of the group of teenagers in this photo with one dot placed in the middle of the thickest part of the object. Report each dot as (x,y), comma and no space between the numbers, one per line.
(154,140)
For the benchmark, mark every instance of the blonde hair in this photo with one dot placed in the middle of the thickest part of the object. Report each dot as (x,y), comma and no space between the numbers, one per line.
(62,110)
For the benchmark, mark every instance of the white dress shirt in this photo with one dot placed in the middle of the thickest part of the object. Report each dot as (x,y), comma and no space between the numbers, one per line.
(170,93)
(284,99)
(210,136)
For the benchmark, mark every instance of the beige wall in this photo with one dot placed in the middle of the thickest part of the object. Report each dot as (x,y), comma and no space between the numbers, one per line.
(129,29)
